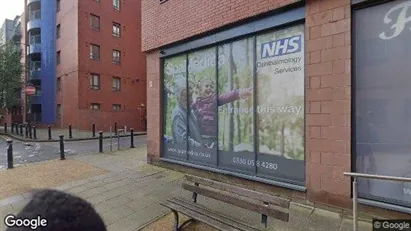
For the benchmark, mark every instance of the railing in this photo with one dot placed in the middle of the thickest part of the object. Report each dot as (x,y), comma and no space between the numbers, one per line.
(355,175)
(35,39)
(34,117)
(35,66)
(35,15)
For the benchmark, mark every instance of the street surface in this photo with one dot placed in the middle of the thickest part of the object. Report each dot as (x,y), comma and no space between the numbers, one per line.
(34,152)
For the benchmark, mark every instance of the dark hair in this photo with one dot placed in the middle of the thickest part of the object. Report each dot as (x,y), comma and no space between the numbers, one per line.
(63,211)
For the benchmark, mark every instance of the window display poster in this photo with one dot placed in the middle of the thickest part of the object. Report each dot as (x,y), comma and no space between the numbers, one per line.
(202,98)
(280,104)
(236,106)
(175,105)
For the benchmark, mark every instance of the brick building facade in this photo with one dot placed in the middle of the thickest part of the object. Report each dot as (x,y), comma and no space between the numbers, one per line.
(86,64)
(174,28)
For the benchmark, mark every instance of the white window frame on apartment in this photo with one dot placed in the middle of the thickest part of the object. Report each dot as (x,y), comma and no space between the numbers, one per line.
(116,29)
(116,4)
(116,84)
(116,57)
(92,52)
(95,81)
(116,107)
(95,106)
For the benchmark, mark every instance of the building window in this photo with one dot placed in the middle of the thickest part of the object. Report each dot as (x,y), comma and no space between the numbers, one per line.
(94,22)
(116,4)
(116,29)
(58,57)
(58,84)
(58,31)
(95,106)
(116,107)
(97,0)
(381,83)
(94,52)
(116,57)
(185,78)
(58,2)
(95,81)
(58,111)
(116,84)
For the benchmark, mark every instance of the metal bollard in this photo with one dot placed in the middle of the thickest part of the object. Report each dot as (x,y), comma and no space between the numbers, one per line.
(12,127)
(100,142)
(70,132)
(115,127)
(9,154)
(93,128)
(34,132)
(21,129)
(5,127)
(132,138)
(49,131)
(30,132)
(26,128)
(62,157)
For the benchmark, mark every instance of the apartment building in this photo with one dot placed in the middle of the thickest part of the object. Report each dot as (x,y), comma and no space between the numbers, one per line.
(307,90)
(86,64)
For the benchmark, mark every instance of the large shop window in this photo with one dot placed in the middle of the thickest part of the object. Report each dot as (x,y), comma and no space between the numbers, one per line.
(382,99)
(239,106)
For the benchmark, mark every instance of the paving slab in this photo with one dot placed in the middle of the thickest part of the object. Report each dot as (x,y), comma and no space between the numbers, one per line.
(128,198)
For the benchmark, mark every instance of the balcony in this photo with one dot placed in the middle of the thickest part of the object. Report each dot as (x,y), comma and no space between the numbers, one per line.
(34,117)
(34,19)
(32,1)
(35,44)
(35,70)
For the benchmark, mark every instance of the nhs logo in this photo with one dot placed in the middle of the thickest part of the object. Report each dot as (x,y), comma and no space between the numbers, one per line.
(281,47)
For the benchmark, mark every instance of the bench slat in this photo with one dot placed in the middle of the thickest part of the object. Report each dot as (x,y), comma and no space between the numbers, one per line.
(198,216)
(207,212)
(271,212)
(240,191)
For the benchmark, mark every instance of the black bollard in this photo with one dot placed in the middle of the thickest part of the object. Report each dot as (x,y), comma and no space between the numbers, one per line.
(62,147)
(49,130)
(34,132)
(21,129)
(5,127)
(12,127)
(100,141)
(93,128)
(26,128)
(70,132)
(9,154)
(30,132)
(115,127)
(132,138)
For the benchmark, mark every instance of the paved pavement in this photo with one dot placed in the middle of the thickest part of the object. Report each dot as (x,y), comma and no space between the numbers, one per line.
(127,197)
(35,152)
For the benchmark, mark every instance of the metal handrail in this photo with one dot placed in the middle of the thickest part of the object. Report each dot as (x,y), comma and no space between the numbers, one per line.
(356,175)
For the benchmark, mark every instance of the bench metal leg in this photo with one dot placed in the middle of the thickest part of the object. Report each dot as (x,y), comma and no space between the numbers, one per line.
(186,223)
(175,220)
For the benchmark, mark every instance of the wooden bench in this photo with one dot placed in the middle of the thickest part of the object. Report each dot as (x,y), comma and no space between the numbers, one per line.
(266,205)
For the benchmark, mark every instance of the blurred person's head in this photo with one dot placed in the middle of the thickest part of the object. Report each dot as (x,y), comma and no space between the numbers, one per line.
(63,212)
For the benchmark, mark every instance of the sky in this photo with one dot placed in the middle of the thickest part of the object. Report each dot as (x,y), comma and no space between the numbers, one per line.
(10,8)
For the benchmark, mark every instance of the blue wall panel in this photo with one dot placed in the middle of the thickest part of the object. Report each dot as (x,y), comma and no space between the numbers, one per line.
(48,61)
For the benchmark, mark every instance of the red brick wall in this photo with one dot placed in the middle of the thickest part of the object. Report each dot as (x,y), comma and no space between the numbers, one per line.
(328,99)
(175,20)
(328,85)
(76,66)
(153,105)
(67,44)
